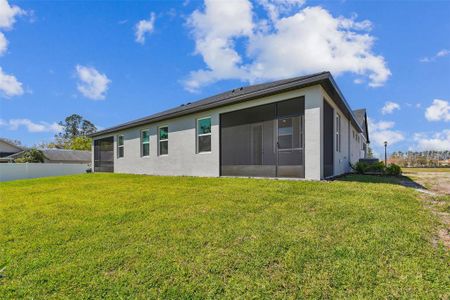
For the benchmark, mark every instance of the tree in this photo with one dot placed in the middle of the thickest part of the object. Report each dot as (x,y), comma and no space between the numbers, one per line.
(87,128)
(32,155)
(80,143)
(71,127)
(74,133)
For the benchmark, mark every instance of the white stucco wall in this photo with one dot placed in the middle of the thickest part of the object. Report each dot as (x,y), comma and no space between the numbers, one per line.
(356,152)
(314,133)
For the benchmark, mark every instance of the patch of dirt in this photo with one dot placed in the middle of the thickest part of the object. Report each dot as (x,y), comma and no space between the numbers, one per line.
(438,182)
(435,193)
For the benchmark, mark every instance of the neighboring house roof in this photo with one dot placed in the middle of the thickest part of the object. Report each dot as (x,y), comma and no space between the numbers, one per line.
(19,148)
(244,94)
(60,155)
(361,117)
(67,155)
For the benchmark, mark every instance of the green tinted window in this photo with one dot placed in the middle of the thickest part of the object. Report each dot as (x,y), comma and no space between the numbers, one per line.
(120,140)
(204,126)
(145,140)
(204,135)
(145,136)
(163,133)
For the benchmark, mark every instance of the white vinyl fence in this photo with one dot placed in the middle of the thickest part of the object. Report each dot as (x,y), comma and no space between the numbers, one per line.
(13,171)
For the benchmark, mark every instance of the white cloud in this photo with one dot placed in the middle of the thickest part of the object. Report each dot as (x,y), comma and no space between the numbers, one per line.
(3,44)
(8,14)
(275,8)
(382,131)
(144,27)
(438,111)
(309,41)
(439,141)
(15,124)
(389,107)
(214,31)
(9,85)
(440,53)
(92,84)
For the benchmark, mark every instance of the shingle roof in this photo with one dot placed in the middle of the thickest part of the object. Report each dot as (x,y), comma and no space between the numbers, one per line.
(11,144)
(67,155)
(244,94)
(361,117)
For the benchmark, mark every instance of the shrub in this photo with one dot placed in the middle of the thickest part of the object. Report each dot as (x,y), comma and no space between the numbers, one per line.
(359,167)
(393,170)
(376,167)
(32,155)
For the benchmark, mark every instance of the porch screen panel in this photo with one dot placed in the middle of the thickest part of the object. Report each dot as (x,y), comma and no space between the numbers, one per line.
(104,155)
(291,138)
(248,143)
(266,140)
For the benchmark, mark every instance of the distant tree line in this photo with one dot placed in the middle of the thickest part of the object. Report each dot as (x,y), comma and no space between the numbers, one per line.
(421,158)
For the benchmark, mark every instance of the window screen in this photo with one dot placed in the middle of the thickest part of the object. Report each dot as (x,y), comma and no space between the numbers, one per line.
(338,133)
(120,146)
(164,140)
(145,143)
(204,135)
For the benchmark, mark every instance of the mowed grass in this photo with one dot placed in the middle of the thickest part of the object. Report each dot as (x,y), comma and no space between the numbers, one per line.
(129,236)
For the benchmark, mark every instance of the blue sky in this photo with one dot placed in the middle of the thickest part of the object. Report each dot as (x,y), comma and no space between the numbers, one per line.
(112,62)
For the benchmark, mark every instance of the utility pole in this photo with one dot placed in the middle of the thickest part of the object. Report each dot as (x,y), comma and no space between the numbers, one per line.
(385,153)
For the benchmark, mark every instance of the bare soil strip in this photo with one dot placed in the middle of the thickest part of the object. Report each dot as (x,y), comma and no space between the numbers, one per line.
(435,193)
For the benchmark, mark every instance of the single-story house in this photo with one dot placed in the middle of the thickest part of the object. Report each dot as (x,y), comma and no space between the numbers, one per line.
(8,148)
(299,127)
(56,156)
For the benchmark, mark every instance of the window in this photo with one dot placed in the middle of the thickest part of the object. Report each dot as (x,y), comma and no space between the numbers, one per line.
(120,146)
(204,135)
(163,140)
(145,143)
(285,133)
(338,133)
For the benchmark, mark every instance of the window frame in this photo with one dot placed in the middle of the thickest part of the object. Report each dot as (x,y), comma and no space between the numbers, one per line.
(146,143)
(120,146)
(164,140)
(198,135)
(338,132)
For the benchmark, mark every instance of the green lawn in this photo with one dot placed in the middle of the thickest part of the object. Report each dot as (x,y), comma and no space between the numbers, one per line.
(129,236)
(414,170)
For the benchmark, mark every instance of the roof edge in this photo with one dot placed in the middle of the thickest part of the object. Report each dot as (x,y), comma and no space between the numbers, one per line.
(302,82)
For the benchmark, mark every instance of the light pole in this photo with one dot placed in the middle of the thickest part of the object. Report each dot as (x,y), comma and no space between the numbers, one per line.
(385,153)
